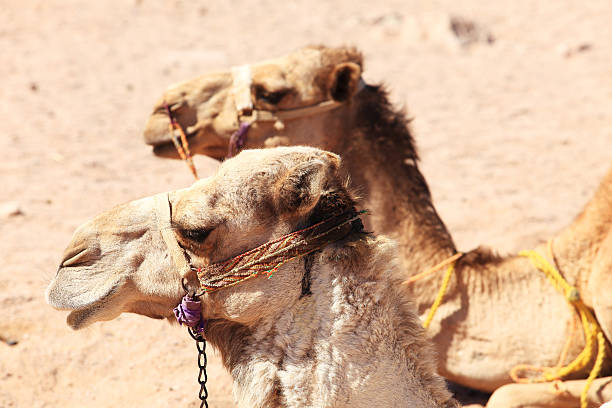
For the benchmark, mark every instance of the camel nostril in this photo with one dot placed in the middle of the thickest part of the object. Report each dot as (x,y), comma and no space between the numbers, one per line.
(74,257)
(79,254)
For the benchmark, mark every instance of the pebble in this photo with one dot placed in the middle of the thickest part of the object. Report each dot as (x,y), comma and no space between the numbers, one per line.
(10,209)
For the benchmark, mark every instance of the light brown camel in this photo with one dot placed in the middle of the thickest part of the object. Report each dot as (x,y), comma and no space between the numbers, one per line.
(328,329)
(500,311)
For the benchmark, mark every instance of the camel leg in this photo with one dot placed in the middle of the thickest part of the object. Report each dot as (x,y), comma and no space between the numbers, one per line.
(545,395)
(600,286)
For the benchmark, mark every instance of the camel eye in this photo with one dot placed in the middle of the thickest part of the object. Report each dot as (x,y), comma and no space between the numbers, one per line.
(195,235)
(273,98)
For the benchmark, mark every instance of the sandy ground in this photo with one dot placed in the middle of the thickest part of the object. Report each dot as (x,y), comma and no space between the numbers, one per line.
(514,137)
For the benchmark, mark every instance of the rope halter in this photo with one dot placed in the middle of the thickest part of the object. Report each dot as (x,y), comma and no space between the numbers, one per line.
(265,259)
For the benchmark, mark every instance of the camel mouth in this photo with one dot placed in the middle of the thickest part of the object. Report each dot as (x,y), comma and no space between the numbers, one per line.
(156,134)
(96,310)
(79,316)
(160,136)
(101,309)
(59,298)
(168,150)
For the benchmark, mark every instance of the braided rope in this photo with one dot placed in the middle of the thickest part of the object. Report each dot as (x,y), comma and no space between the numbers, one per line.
(593,334)
(269,257)
(183,147)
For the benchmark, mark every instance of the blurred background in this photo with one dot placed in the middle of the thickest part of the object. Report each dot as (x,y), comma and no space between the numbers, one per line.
(512,107)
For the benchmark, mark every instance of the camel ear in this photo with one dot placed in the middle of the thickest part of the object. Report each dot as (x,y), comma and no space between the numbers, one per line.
(344,80)
(300,190)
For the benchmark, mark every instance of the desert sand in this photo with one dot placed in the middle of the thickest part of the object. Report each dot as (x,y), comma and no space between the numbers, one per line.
(512,121)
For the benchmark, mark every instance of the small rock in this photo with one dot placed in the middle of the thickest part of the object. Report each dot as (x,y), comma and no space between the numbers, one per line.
(569,51)
(10,209)
(8,341)
(33,87)
(447,30)
(583,47)
(468,32)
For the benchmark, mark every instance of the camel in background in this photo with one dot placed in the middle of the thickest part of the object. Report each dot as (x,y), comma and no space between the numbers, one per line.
(500,311)
(328,327)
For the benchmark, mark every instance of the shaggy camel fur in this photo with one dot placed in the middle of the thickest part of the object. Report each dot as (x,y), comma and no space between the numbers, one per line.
(351,339)
(499,311)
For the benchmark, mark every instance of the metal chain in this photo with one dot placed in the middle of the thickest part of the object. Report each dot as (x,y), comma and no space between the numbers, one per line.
(202,376)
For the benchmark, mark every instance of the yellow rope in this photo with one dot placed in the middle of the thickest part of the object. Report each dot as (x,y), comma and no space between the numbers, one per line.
(593,333)
(594,337)
(433,269)
(596,370)
(440,296)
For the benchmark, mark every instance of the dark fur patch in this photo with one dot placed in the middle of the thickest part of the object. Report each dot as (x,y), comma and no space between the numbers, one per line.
(343,81)
(332,202)
(306,279)
(480,256)
(376,117)
(330,58)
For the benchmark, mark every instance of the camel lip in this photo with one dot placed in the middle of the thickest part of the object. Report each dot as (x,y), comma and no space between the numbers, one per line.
(164,139)
(64,307)
(167,150)
(62,303)
(79,318)
(156,131)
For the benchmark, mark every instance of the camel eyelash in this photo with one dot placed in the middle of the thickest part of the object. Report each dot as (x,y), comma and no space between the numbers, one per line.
(195,235)
(271,97)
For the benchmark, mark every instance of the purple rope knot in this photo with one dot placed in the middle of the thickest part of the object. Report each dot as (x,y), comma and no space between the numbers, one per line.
(189,312)
(238,138)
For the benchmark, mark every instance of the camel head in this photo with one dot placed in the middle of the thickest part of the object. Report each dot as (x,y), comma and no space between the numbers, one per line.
(291,100)
(119,262)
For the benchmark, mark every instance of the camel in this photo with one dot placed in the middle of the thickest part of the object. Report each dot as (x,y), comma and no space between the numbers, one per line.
(494,315)
(329,327)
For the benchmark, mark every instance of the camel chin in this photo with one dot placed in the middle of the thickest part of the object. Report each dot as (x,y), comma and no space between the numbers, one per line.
(166,151)
(81,318)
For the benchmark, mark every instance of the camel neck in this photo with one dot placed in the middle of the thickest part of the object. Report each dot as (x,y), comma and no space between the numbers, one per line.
(383,166)
(345,344)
